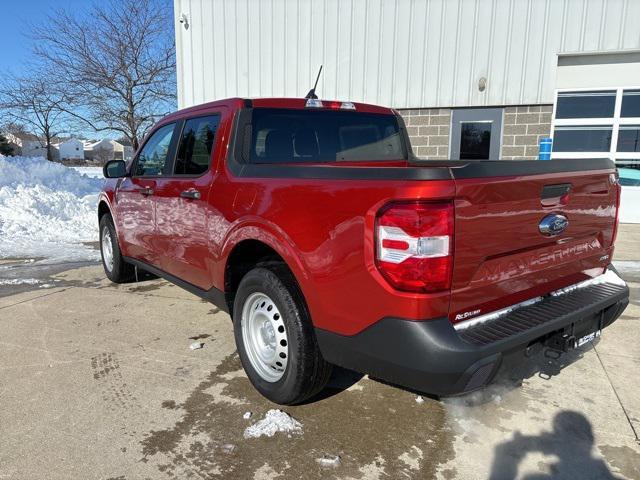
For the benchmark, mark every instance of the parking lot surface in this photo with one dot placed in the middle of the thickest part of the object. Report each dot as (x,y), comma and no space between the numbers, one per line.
(99,381)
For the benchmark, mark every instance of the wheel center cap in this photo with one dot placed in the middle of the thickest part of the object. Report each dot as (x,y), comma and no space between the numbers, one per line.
(268,334)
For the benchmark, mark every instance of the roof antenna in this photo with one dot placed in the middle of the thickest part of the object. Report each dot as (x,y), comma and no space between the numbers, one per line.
(312,92)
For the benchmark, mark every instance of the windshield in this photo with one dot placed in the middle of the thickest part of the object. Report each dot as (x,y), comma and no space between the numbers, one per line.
(321,136)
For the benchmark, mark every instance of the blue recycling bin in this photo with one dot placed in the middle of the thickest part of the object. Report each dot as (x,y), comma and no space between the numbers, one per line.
(545,149)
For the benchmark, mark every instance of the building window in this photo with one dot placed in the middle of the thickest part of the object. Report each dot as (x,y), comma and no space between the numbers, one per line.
(599,123)
(630,104)
(475,140)
(586,104)
(629,138)
(582,139)
(476,133)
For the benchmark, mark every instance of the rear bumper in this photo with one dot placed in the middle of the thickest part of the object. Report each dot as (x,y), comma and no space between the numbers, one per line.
(433,357)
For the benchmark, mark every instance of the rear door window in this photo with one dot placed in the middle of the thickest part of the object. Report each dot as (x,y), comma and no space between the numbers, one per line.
(153,159)
(323,136)
(196,145)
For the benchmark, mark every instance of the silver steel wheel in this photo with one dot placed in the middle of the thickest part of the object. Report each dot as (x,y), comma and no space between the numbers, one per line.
(107,249)
(265,337)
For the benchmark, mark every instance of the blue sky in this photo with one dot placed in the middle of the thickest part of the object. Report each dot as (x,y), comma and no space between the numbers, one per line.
(17,16)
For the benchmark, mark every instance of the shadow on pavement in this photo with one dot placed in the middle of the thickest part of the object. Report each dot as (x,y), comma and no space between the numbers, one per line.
(571,441)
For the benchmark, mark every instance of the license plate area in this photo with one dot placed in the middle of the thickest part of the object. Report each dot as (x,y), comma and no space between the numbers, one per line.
(575,335)
(589,337)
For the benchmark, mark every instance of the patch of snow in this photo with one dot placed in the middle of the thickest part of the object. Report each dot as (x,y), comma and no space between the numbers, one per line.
(19,281)
(273,422)
(228,448)
(329,461)
(47,210)
(247,415)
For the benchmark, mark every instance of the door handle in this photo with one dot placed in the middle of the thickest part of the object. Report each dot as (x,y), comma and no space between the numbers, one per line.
(146,191)
(192,194)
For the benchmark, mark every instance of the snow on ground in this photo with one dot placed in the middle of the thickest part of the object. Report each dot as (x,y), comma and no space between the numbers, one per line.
(19,281)
(93,172)
(273,422)
(47,210)
(24,281)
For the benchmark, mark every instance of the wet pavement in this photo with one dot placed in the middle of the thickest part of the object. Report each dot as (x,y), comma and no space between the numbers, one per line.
(26,274)
(98,381)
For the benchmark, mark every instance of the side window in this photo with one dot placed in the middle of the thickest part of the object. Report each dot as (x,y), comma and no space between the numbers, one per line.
(154,155)
(196,145)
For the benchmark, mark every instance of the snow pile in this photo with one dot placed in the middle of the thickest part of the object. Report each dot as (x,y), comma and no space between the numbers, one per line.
(47,210)
(93,172)
(273,422)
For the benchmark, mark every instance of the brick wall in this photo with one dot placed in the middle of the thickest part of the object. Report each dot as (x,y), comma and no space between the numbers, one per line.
(428,129)
(522,129)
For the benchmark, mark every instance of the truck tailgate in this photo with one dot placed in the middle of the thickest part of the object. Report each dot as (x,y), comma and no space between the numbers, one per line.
(501,255)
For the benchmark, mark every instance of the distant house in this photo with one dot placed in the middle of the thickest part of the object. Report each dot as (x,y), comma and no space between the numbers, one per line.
(104,150)
(70,149)
(32,146)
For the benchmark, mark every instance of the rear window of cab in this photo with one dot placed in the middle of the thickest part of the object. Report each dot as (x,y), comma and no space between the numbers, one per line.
(323,136)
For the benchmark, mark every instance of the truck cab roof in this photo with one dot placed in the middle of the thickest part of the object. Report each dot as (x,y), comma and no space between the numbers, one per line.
(282,102)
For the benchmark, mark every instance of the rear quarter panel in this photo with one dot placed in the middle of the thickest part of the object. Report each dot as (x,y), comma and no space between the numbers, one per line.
(324,229)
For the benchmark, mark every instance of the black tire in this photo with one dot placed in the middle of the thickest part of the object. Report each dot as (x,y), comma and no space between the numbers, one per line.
(121,271)
(306,372)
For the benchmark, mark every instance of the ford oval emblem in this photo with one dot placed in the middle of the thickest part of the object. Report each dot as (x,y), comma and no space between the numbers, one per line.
(553,225)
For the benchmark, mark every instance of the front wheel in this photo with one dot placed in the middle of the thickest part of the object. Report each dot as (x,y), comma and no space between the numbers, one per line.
(275,337)
(115,268)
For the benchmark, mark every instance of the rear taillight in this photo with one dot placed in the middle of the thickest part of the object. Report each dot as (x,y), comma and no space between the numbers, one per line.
(616,182)
(414,245)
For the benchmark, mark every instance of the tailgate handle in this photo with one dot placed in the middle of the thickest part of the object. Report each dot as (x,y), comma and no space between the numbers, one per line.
(554,192)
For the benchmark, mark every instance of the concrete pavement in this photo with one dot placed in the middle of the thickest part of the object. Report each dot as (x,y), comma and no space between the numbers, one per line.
(98,381)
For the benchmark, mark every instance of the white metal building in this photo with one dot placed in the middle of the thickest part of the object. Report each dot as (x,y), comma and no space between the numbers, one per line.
(473,78)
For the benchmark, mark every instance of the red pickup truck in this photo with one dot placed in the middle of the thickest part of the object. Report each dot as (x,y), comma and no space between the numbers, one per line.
(328,242)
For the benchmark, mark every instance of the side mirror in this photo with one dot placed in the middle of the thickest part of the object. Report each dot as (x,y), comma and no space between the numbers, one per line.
(114,169)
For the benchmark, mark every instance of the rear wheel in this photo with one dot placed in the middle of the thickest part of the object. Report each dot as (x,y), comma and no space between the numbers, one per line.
(275,337)
(115,268)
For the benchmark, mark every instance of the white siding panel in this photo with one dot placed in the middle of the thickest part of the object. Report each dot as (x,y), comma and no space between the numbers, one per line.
(402,53)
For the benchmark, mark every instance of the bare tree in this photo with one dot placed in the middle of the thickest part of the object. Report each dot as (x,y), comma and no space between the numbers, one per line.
(117,62)
(35,102)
